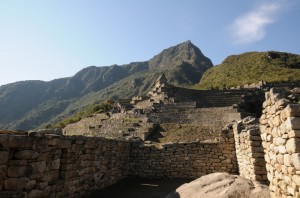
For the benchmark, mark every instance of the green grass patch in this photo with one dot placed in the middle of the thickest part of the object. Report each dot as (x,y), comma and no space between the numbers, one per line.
(250,68)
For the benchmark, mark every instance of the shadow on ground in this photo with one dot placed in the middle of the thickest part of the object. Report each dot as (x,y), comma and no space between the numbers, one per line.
(140,188)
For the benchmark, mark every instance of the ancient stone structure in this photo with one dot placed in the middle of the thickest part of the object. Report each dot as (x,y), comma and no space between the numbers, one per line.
(59,166)
(267,85)
(165,103)
(50,164)
(215,108)
(280,132)
(184,160)
(249,150)
(164,93)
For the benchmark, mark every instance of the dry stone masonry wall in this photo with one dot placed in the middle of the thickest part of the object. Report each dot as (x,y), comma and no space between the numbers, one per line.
(53,165)
(249,150)
(59,166)
(280,132)
(184,160)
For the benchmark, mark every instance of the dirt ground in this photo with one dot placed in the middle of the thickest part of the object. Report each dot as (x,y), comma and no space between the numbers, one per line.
(172,132)
(139,188)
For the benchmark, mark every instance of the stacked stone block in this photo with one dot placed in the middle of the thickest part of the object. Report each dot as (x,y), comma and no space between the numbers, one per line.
(280,132)
(184,160)
(249,150)
(59,166)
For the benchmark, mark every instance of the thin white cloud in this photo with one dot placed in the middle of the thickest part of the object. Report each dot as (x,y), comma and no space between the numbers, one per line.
(251,27)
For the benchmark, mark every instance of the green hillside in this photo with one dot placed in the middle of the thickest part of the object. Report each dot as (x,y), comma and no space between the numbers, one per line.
(35,104)
(252,67)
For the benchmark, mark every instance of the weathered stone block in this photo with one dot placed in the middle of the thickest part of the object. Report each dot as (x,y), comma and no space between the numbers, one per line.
(272,110)
(257,154)
(280,158)
(266,103)
(3,156)
(90,144)
(18,171)
(50,176)
(296,179)
(68,174)
(67,166)
(26,154)
(277,121)
(292,170)
(53,142)
(279,141)
(35,194)
(38,167)
(15,183)
(30,184)
(64,144)
(284,170)
(86,163)
(13,141)
(291,190)
(3,171)
(281,149)
(263,121)
(287,160)
(44,157)
(257,149)
(47,191)
(17,162)
(55,164)
(42,185)
(295,159)
(255,138)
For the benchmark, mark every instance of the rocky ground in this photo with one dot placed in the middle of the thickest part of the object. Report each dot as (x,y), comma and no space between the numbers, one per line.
(221,185)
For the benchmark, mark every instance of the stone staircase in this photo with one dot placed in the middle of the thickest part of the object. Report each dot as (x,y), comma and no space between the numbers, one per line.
(220,98)
(209,108)
(124,125)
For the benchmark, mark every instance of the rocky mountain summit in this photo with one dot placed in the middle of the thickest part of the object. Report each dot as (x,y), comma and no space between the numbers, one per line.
(186,52)
(32,104)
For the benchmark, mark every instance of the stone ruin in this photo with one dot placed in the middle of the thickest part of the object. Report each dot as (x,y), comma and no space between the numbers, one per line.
(52,164)
(165,103)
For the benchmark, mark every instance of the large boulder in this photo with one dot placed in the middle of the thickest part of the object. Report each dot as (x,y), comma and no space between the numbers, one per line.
(221,185)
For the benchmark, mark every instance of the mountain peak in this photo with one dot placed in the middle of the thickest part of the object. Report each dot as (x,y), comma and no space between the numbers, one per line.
(187,42)
(185,52)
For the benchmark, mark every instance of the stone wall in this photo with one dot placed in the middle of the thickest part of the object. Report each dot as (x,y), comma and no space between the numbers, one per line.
(51,165)
(59,166)
(184,160)
(249,150)
(280,132)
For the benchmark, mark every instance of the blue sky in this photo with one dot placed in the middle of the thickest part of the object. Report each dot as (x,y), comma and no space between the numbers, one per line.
(44,40)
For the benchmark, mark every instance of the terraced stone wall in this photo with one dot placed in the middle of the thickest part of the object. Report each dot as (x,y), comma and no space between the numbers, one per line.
(184,160)
(59,166)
